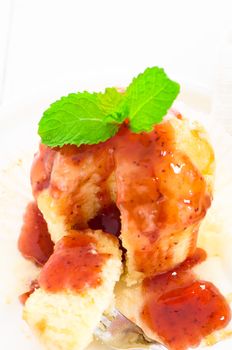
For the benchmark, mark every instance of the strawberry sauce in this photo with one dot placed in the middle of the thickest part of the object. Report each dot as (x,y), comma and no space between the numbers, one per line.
(158,193)
(75,264)
(34,242)
(181,309)
(158,190)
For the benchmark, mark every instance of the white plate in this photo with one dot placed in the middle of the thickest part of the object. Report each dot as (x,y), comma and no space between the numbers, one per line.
(18,142)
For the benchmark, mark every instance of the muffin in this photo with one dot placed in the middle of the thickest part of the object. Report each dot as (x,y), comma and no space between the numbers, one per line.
(161,182)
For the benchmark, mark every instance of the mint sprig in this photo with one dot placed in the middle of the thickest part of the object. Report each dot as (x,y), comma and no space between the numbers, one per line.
(79,119)
(149,97)
(90,118)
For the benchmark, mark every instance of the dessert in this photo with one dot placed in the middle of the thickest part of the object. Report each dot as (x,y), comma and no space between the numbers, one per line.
(112,176)
(80,182)
(64,310)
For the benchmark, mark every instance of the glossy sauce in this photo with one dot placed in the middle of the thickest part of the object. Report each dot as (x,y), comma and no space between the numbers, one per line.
(159,192)
(158,189)
(34,242)
(182,309)
(67,170)
(75,265)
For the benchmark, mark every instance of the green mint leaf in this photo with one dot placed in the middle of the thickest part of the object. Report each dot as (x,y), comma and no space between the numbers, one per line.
(149,97)
(113,103)
(110,100)
(79,119)
(85,118)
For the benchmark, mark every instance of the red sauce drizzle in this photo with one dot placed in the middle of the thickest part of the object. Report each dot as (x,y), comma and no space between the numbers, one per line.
(159,190)
(181,309)
(75,264)
(34,241)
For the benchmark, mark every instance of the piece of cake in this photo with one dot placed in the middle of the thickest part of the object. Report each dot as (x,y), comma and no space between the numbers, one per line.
(160,181)
(120,162)
(75,288)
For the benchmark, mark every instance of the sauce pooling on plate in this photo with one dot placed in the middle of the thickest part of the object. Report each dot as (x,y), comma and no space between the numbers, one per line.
(35,241)
(145,188)
(181,309)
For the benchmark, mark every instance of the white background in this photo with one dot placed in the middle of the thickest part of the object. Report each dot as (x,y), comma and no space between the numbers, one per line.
(48,45)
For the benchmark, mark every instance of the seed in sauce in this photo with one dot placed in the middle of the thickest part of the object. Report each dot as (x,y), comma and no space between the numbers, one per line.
(153,179)
(34,241)
(182,309)
(75,265)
